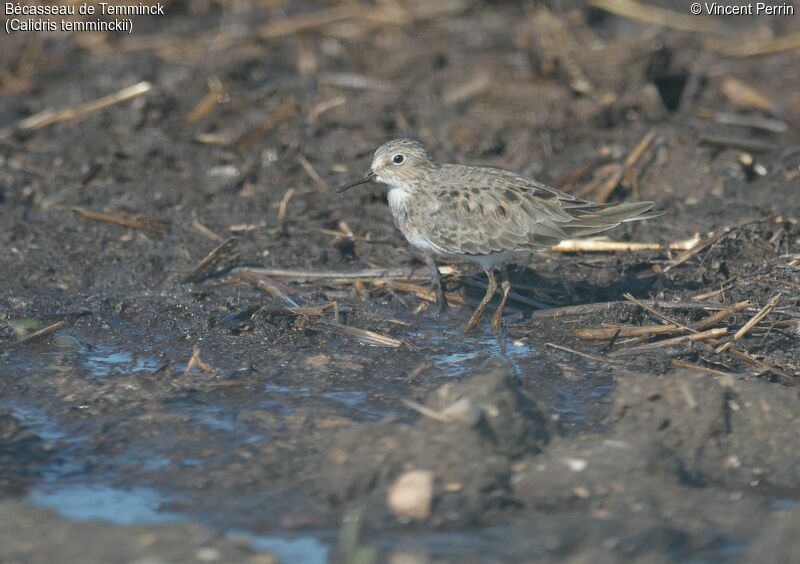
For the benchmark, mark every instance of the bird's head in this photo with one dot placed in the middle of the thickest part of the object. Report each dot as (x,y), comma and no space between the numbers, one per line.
(396,162)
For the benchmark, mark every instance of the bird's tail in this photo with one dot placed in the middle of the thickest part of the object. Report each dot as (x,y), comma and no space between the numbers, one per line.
(595,218)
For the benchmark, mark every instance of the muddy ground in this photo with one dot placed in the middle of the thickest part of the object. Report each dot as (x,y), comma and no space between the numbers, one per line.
(285,435)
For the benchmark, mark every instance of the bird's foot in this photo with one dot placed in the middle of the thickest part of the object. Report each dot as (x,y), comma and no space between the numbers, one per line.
(497,320)
(473,321)
(441,301)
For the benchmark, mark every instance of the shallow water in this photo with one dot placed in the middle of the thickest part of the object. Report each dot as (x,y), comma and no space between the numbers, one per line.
(134,506)
(126,489)
(103,360)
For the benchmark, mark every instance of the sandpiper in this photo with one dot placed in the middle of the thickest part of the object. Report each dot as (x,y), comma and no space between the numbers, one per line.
(482,214)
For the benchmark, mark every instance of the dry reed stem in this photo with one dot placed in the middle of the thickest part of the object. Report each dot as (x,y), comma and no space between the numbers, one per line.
(609,332)
(282,207)
(145,224)
(281,114)
(271,287)
(196,362)
(657,313)
(341,277)
(603,359)
(755,320)
(646,13)
(694,337)
(205,231)
(601,246)
(726,378)
(424,293)
(364,335)
(715,318)
(49,117)
(213,258)
(312,172)
(36,335)
(757,48)
(209,101)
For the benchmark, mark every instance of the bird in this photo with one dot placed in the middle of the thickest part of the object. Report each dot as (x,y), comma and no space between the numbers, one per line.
(486,215)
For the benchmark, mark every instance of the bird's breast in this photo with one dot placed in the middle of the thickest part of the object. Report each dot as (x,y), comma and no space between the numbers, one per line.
(398,203)
(405,218)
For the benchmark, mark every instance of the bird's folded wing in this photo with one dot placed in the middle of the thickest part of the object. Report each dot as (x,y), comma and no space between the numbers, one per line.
(492,221)
(489,210)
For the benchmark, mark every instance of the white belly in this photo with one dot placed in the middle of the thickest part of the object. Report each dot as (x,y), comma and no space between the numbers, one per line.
(398,203)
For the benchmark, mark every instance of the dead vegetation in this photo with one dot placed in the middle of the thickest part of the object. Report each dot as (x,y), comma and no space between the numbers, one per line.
(189,221)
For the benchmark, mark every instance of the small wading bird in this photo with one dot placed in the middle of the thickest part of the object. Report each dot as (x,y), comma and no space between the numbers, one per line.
(482,214)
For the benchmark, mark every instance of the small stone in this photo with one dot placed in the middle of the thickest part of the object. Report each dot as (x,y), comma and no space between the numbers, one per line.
(463,411)
(576,464)
(411,495)
(581,492)
(223,171)
(733,462)
(66,341)
(207,554)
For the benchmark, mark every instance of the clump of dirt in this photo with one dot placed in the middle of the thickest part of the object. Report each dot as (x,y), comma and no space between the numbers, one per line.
(470,438)
(735,434)
(269,393)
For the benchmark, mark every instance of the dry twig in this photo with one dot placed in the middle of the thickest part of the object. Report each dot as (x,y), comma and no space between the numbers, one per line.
(602,246)
(205,231)
(364,335)
(36,335)
(295,24)
(282,207)
(426,294)
(657,313)
(348,277)
(715,318)
(647,13)
(312,172)
(196,362)
(702,336)
(755,320)
(209,101)
(609,332)
(426,411)
(281,114)
(150,225)
(211,260)
(49,117)
(627,173)
(726,377)
(764,47)
(603,359)
(782,376)
(263,282)
(738,142)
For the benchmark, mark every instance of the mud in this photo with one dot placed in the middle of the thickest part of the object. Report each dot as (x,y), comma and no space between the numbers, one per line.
(284,441)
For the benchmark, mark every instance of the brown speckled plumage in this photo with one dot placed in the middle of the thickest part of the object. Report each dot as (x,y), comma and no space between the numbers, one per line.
(483,214)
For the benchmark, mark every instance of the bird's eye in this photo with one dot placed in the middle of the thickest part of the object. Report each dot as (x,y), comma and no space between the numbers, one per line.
(398,159)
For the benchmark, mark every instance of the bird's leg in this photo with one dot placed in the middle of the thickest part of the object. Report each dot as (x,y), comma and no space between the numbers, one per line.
(490,292)
(436,282)
(497,318)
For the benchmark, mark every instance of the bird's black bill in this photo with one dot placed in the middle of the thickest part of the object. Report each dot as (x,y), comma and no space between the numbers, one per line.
(355,182)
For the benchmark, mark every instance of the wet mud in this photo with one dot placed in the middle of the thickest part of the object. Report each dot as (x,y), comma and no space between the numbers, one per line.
(275,404)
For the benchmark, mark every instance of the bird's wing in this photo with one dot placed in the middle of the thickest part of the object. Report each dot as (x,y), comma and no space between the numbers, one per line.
(480,210)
